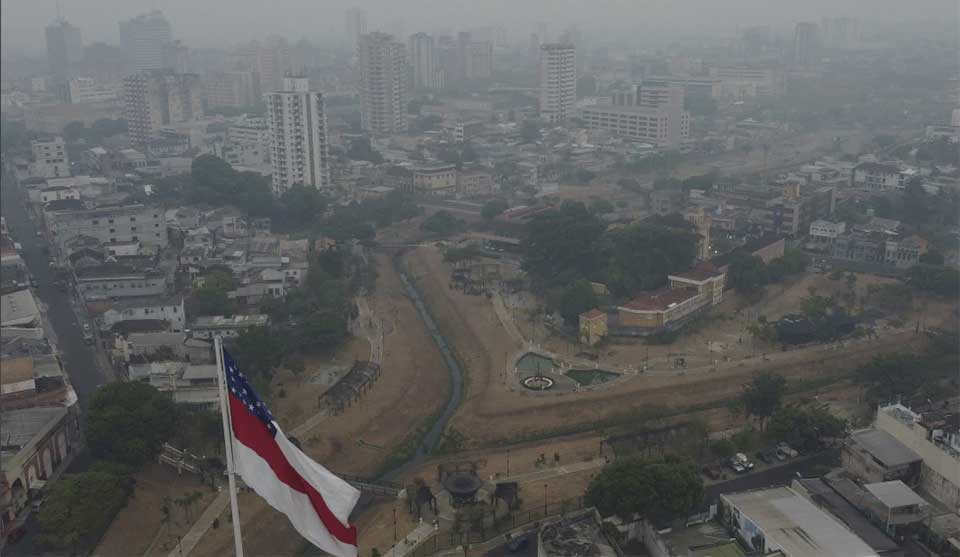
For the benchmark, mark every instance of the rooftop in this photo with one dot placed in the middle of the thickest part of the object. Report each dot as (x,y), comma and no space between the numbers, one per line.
(794,525)
(661,300)
(18,308)
(19,427)
(16,370)
(212,321)
(884,447)
(895,494)
(699,273)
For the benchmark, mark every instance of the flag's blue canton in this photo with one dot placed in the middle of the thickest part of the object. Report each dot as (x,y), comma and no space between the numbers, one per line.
(241,389)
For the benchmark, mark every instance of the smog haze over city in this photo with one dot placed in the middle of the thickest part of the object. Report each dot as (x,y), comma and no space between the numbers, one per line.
(487,277)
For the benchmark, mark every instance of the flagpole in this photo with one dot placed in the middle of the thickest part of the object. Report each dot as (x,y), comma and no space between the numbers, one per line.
(228,440)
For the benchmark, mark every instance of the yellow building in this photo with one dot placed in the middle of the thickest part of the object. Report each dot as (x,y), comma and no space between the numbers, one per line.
(593,327)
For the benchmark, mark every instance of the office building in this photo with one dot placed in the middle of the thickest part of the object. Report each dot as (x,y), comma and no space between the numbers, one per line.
(356,27)
(64,53)
(740,82)
(85,90)
(558,81)
(805,38)
(840,32)
(144,39)
(270,60)
(383,83)
(651,112)
(235,89)
(159,98)
(248,142)
(424,62)
(298,131)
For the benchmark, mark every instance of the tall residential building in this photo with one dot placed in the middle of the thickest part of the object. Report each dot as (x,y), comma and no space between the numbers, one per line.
(424,62)
(479,60)
(271,60)
(356,28)
(50,158)
(64,54)
(558,81)
(298,133)
(805,38)
(232,89)
(159,98)
(383,84)
(144,40)
(840,32)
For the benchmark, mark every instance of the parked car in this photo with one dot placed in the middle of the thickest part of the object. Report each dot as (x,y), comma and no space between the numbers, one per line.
(735,465)
(786,451)
(744,461)
(767,456)
(713,472)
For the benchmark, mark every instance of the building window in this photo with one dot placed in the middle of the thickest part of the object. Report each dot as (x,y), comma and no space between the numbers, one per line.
(110,221)
(112,230)
(95,222)
(133,219)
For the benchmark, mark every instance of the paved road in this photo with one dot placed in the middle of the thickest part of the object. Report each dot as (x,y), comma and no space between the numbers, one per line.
(78,357)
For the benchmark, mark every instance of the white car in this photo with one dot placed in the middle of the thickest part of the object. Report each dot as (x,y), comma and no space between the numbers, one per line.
(744,461)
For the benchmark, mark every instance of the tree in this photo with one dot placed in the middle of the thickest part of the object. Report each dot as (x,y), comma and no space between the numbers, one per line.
(747,272)
(362,150)
(212,298)
(601,206)
(300,206)
(805,426)
(79,507)
(492,208)
(888,377)
(560,244)
(640,256)
(932,257)
(258,350)
(128,422)
(661,490)
(577,298)
(763,395)
(442,223)
(943,281)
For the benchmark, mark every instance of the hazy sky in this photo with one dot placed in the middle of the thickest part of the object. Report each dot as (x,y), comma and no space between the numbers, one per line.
(204,23)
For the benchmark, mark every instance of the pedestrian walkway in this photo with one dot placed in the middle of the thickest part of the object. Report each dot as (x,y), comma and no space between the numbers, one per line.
(200,527)
(411,541)
(556,471)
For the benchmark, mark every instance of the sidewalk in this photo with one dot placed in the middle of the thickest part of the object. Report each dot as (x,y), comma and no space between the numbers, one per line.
(200,527)
(411,541)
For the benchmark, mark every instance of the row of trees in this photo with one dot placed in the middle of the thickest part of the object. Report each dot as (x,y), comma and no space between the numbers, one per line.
(905,375)
(749,274)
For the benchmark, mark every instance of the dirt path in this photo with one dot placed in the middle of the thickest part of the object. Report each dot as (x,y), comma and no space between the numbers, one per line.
(412,387)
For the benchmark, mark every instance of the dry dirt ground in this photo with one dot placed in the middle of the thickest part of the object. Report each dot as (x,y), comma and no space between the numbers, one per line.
(412,387)
(138,529)
(492,412)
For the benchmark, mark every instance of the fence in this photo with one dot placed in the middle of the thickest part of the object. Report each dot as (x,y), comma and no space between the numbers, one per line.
(480,525)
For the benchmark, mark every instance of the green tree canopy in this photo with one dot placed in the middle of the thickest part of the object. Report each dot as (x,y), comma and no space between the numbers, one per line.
(577,298)
(442,223)
(943,281)
(129,422)
(492,208)
(805,426)
(762,396)
(747,273)
(661,490)
(560,244)
(79,507)
(640,256)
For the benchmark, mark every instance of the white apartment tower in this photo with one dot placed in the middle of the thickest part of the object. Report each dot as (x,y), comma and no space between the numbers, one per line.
(383,83)
(144,40)
(425,62)
(558,81)
(298,135)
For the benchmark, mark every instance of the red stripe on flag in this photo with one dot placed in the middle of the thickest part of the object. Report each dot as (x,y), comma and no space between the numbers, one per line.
(250,431)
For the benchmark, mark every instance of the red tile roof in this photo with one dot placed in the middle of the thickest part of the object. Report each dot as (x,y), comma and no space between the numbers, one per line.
(701,272)
(592,314)
(660,300)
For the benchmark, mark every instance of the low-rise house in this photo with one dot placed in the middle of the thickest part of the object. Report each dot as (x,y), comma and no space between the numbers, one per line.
(474,182)
(150,346)
(707,279)
(170,309)
(824,233)
(663,309)
(115,280)
(37,445)
(19,310)
(435,180)
(209,326)
(185,383)
(874,455)
(13,269)
(876,177)
(593,327)
(780,520)
(34,380)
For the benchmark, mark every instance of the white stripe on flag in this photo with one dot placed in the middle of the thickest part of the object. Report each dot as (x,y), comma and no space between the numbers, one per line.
(257,474)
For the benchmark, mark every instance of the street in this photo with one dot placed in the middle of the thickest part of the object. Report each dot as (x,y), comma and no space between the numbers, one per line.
(77,356)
